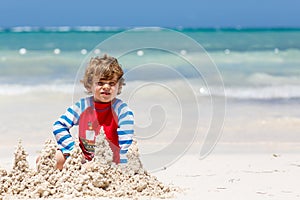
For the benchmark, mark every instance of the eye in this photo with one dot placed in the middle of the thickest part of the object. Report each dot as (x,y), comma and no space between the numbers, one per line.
(112,83)
(100,83)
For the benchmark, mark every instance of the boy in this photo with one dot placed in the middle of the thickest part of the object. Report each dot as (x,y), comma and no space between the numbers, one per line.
(102,110)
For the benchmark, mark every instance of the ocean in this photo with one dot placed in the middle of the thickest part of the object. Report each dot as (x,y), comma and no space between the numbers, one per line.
(213,87)
(254,64)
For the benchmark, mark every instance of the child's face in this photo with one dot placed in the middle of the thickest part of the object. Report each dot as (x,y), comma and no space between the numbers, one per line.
(105,90)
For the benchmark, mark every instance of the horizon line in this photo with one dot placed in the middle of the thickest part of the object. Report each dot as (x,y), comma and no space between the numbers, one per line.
(123,28)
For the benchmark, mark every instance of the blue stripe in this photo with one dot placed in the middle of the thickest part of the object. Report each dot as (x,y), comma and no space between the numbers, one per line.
(121,107)
(126,122)
(125,132)
(70,110)
(125,114)
(123,151)
(69,146)
(91,101)
(60,130)
(121,142)
(62,139)
(67,119)
(77,104)
(58,123)
(115,103)
(82,105)
(65,151)
(123,160)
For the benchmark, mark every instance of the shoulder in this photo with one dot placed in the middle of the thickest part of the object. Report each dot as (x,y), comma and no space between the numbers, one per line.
(120,106)
(84,103)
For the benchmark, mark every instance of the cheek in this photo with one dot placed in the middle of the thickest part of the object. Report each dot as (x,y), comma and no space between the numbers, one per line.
(95,89)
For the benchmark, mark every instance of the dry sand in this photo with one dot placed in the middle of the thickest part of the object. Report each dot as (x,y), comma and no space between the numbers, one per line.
(236,176)
(243,175)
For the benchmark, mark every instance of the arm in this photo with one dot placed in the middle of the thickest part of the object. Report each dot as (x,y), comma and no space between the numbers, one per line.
(61,128)
(125,129)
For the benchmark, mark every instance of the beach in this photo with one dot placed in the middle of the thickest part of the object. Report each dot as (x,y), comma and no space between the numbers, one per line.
(228,129)
(236,176)
(230,176)
(236,168)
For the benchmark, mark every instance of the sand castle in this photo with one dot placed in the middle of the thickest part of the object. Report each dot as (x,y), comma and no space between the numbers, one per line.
(103,178)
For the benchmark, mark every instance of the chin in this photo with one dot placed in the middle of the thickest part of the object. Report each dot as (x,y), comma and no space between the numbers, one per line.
(107,99)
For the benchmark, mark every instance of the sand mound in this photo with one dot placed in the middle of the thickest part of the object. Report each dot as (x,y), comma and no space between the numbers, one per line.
(102,177)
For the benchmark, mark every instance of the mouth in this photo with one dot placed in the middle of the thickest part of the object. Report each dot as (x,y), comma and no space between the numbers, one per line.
(105,93)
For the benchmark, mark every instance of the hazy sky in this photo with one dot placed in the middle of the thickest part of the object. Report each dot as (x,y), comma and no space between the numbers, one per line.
(164,13)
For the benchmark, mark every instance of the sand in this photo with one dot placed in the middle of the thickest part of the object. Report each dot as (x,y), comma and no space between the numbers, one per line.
(236,176)
(100,178)
(219,176)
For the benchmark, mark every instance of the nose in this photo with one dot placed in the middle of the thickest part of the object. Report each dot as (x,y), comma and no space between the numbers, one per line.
(106,86)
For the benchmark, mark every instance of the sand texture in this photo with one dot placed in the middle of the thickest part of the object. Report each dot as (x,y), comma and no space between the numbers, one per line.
(100,178)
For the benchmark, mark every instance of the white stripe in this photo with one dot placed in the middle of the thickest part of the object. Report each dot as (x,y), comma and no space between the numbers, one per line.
(123,156)
(70,116)
(126,118)
(57,126)
(68,141)
(125,137)
(117,104)
(59,135)
(126,127)
(125,146)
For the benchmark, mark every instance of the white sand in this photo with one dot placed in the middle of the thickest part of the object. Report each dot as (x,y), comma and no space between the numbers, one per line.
(236,176)
(232,176)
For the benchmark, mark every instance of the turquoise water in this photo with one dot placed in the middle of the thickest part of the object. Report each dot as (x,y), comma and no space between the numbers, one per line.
(253,63)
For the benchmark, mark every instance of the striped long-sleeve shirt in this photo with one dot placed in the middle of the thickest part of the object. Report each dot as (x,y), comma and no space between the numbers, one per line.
(116,118)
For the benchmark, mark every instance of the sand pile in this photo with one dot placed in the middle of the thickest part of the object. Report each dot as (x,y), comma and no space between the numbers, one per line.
(100,178)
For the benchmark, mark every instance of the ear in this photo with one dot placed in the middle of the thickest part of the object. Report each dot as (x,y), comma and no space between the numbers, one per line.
(120,88)
(89,89)
(121,82)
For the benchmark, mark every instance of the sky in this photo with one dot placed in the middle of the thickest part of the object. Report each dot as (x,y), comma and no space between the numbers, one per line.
(160,13)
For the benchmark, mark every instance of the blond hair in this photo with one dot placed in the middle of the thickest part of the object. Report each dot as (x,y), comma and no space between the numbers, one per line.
(106,68)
